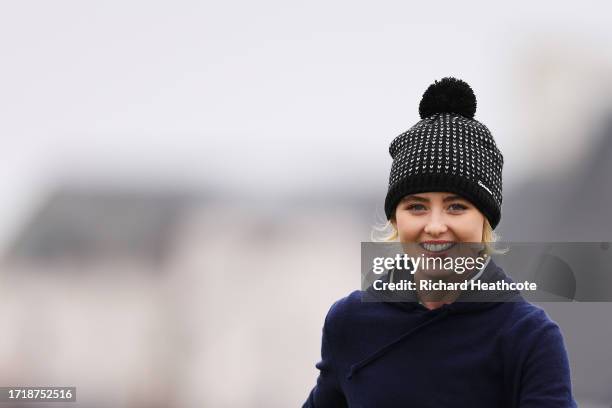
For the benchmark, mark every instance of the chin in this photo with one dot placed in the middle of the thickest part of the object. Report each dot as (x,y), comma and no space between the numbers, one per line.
(437,274)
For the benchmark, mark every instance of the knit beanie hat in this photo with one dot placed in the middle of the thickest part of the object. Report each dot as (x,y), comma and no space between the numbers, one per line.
(447,150)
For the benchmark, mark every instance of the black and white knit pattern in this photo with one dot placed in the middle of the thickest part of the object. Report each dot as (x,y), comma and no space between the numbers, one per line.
(447,152)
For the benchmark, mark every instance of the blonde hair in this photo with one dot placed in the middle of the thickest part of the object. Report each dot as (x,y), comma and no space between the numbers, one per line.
(389,233)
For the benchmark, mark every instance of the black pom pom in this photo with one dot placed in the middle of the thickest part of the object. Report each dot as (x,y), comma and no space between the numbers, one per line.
(449,95)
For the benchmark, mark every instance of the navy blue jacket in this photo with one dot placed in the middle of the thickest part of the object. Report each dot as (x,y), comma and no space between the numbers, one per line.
(464,354)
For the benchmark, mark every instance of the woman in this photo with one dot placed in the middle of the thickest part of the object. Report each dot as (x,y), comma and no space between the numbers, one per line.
(445,187)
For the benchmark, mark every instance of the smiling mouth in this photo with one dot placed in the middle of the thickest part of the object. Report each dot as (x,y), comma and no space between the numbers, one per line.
(437,248)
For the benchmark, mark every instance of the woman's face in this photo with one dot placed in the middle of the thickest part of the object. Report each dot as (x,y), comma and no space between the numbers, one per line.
(433,220)
(436,216)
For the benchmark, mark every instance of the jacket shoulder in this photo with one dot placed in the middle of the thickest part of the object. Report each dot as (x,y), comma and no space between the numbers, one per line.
(528,325)
(343,308)
(527,314)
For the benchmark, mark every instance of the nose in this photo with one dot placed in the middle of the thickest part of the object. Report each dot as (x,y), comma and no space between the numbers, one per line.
(435,225)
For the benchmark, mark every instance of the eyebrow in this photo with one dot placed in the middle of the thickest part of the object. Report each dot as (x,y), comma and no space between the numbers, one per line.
(426,200)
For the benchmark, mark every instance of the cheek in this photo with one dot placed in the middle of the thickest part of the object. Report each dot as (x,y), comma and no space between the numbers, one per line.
(407,226)
(468,227)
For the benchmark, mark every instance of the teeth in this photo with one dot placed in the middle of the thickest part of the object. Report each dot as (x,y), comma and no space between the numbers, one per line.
(437,247)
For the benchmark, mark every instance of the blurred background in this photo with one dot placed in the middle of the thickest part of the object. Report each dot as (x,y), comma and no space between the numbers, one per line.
(185,185)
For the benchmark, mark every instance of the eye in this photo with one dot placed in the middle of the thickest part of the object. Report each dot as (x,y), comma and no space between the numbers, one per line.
(457,207)
(415,207)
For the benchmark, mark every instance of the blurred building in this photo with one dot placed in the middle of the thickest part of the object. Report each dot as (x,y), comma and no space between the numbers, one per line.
(166,299)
